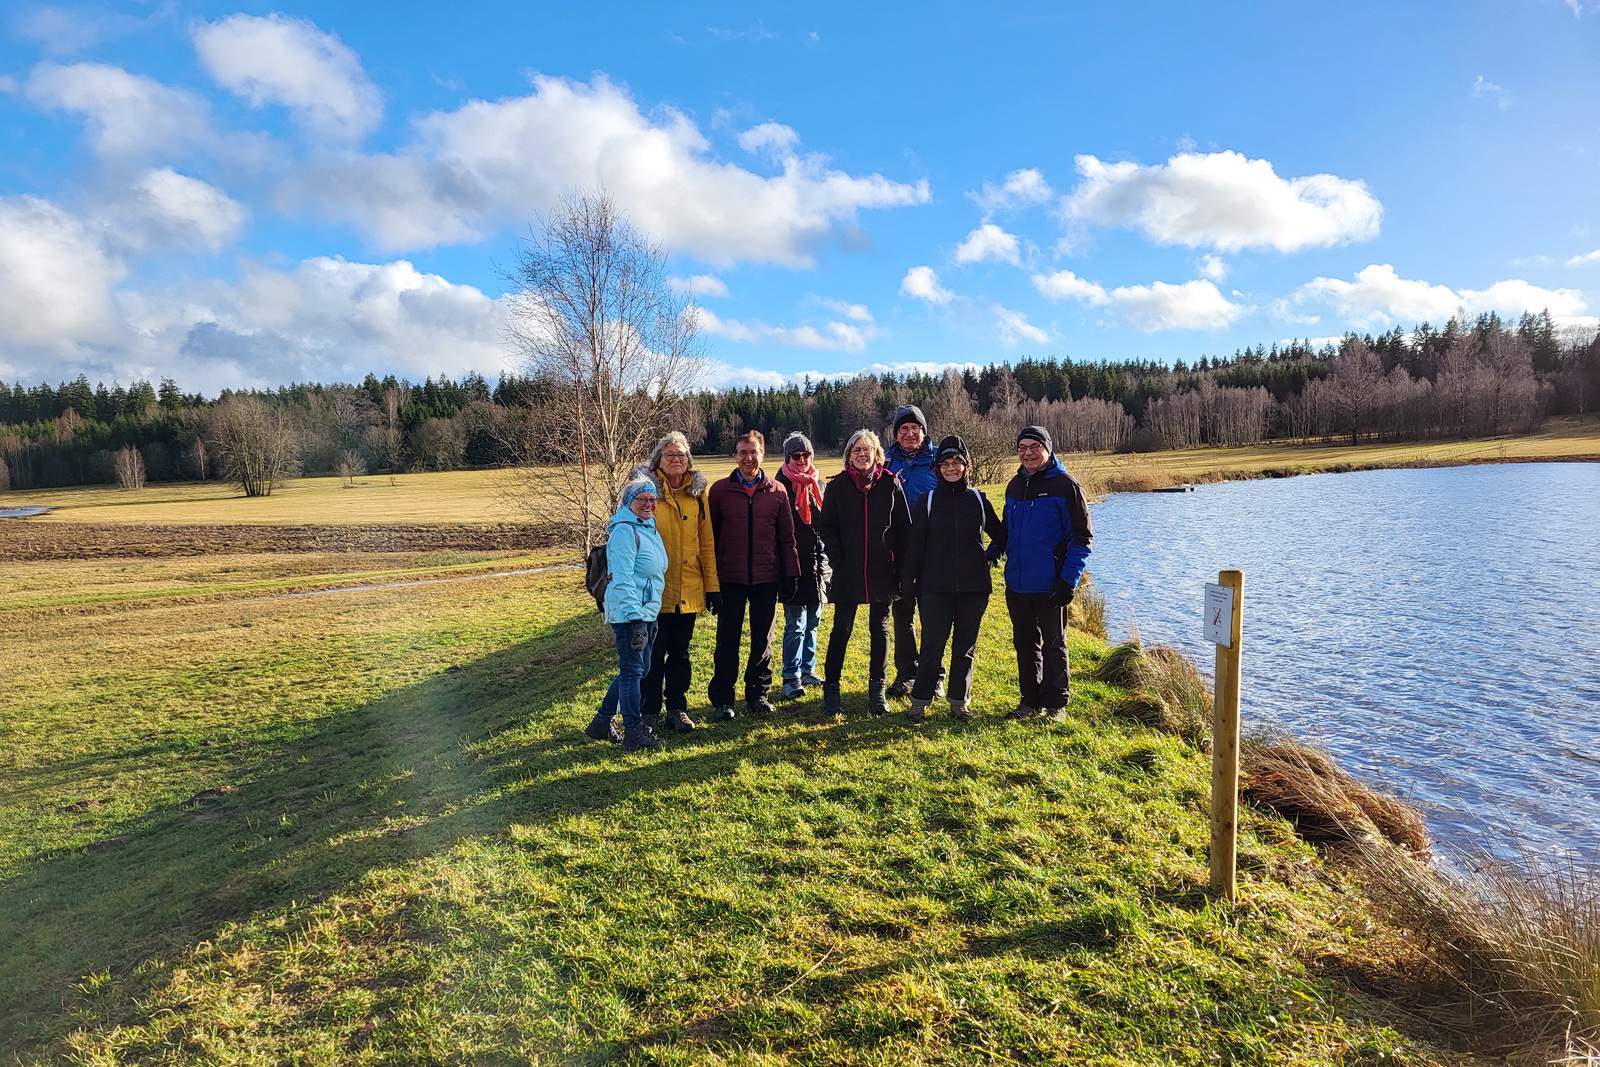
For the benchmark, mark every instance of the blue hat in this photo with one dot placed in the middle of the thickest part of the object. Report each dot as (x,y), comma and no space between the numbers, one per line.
(635,487)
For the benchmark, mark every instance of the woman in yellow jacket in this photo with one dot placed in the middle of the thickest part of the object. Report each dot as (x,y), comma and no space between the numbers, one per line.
(691,584)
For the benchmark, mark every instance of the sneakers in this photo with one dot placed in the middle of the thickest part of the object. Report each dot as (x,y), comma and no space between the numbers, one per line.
(679,720)
(961,712)
(603,728)
(1022,711)
(917,713)
(810,680)
(726,713)
(758,705)
(900,688)
(793,690)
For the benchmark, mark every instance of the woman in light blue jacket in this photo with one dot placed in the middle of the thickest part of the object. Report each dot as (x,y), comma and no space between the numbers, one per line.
(637,564)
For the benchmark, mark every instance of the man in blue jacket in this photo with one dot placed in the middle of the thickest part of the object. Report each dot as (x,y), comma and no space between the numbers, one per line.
(1047,542)
(910,459)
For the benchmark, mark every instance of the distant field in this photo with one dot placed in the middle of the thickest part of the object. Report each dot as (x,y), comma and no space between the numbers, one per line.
(475,497)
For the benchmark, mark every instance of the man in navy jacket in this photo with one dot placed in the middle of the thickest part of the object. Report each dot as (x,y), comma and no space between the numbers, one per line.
(910,459)
(1047,543)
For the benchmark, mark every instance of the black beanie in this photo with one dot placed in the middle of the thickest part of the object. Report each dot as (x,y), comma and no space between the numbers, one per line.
(953,446)
(1036,433)
(909,413)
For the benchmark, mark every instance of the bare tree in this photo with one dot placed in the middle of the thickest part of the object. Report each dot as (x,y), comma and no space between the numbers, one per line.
(350,466)
(128,467)
(258,445)
(595,315)
(5,475)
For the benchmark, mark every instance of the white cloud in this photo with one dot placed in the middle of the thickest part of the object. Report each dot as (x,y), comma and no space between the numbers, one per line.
(853,312)
(62,32)
(129,115)
(1213,267)
(1192,305)
(1223,200)
(1585,259)
(1015,328)
(1378,295)
(165,208)
(1482,87)
(833,337)
(923,283)
(288,61)
(773,137)
(488,164)
(55,278)
(700,285)
(1022,188)
(989,242)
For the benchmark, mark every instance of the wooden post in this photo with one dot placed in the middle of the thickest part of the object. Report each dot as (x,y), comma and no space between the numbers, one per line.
(1225,749)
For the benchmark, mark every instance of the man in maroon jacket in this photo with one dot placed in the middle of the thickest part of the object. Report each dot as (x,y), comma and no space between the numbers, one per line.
(756,563)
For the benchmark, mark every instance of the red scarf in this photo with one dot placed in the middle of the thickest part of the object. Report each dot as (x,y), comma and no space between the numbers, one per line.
(864,479)
(807,493)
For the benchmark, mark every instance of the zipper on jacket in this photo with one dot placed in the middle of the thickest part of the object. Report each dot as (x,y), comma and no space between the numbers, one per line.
(750,538)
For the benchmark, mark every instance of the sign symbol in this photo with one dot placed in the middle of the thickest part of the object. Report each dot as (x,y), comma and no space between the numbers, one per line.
(1217,620)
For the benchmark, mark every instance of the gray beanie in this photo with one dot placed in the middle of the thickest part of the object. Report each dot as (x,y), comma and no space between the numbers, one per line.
(1036,433)
(795,442)
(909,413)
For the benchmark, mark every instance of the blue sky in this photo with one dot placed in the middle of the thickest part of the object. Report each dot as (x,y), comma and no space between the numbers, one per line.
(236,195)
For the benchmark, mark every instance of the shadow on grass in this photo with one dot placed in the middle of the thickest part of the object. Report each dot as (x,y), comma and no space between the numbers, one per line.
(400,778)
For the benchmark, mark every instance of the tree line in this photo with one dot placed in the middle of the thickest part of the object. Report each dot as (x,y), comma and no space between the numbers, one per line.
(1470,378)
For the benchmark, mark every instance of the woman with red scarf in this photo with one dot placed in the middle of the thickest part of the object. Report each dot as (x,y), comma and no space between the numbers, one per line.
(802,613)
(863,528)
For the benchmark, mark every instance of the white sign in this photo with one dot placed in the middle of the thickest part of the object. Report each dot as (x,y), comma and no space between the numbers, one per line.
(1219,615)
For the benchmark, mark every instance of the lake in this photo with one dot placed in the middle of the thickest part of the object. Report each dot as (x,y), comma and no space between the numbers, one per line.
(1437,630)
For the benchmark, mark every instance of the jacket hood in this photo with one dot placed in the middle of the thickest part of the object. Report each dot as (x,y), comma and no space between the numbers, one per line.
(695,486)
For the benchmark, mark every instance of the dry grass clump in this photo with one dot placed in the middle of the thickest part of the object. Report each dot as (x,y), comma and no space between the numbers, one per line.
(1518,944)
(1167,691)
(1326,805)
(1088,610)
(1101,475)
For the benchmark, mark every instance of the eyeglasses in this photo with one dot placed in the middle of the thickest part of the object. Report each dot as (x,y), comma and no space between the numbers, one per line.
(645,501)
(1030,448)
(674,455)
(801,455)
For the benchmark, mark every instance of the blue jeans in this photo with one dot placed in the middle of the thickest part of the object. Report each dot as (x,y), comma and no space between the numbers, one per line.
(633,661)
(800,623)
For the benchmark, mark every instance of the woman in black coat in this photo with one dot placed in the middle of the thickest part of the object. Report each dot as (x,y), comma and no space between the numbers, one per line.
(947,570)
(863,528)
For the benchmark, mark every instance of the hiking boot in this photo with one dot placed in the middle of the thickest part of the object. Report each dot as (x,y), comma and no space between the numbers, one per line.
(917,713)
(793,690)
(832,701)
(758,705)
(726,713)
(652,719)
(900,688)
(603,728)
(877,698)
(679,720)
(635,738)
(1022,711)
(810,681)
(961,712)
(1055,714)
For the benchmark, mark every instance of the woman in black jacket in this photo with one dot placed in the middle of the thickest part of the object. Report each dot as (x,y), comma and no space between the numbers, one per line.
(863,528)
(947,569)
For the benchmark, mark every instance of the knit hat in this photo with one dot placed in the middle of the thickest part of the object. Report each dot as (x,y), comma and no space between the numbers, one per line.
(953,446)
(909,413)
(635,487)
(1036,433)
(795,442)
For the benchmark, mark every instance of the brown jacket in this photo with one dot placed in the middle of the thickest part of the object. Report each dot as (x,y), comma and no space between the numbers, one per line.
(754,530)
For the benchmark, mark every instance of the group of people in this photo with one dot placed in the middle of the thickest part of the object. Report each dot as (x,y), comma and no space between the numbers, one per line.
(899,531)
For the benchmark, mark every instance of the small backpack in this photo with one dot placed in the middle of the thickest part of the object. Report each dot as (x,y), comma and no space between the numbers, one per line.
(597,572)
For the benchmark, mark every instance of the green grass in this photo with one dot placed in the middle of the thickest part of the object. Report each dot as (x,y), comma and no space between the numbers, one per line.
(365,827)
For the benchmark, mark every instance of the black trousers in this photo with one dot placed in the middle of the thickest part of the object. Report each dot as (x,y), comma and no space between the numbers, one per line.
(844,621)
(905,638)
(942,613)
(669,665)
(1039,632)
(762,600)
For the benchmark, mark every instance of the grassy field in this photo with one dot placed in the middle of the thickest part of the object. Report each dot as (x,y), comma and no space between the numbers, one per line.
(477,496)
(363,827)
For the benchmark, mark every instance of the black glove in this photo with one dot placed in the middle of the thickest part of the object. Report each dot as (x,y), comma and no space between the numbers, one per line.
(713,602)
(992,557)
(1063,593)
(788,589)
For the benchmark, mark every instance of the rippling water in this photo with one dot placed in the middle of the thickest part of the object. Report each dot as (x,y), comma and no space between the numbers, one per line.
(1437,630)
